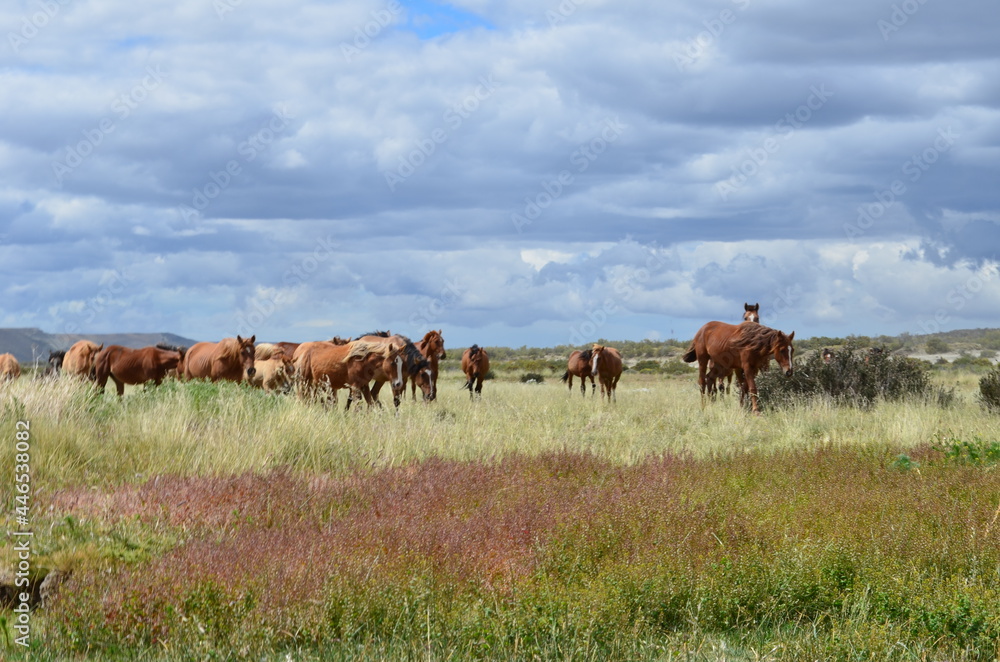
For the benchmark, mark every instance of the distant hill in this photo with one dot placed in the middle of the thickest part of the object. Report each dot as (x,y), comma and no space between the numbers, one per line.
(30,344)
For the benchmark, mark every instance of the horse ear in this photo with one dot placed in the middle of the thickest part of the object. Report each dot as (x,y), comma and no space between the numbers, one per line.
(253,339)
(746,306)
(238,339)
(791,336)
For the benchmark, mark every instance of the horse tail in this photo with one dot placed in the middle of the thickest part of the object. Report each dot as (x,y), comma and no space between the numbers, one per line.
(565,377)
(691,356)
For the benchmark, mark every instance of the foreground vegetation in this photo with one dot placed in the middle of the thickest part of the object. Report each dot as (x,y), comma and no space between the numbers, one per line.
(207,521)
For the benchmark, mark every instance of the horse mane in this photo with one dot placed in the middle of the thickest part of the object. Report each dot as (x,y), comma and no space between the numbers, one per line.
(586,354)
(413,358)
(362,348)
(229,348)
(337,340)
(757,337)
(377,334)
(474,350)
(597,347)
(265,351)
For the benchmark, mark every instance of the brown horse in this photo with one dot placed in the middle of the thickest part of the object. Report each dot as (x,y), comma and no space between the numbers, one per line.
(475,365)
(10,369)
(323,365)
(724,383)
(579,365)
(432,349)
(746,348)
(79,359)
(134,366)
(412,363)
(229,359)
(606,365)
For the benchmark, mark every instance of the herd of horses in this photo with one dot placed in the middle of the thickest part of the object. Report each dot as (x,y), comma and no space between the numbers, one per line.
(362,365)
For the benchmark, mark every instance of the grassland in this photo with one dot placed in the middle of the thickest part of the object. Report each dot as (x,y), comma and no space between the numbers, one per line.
(212,522)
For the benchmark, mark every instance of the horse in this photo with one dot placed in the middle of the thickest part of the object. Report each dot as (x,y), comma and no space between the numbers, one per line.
(10,369)
(323,364)
(229,359)
(827,355)
(413,362)
(745,348)
(475,365)
(579,365)
(606,365)
(273,370)
(432,349)
(134,366)
(55,363)
(79,359)
(724,383)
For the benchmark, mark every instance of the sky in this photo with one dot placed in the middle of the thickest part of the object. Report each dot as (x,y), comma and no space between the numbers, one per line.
(516,172)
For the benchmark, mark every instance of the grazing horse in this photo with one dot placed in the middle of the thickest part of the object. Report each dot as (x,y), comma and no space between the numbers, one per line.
(55,363)
(827,355)
(134,366)
(432,349)
(10,369)
(475,365)
(579,366)
(79,360)
(229,359)
(411,363)
(325,365)
(724,383)
(273,369)
(746,348)
(606,365)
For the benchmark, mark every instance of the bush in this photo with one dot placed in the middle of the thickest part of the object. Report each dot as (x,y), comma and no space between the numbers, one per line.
(989,390)
(853,377)
(936,346)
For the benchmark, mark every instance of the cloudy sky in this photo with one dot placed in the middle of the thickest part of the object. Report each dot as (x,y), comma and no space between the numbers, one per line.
(510,171)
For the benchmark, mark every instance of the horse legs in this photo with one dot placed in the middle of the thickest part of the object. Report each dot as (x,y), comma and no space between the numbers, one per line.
(752,390)
(119,386)
(479,386)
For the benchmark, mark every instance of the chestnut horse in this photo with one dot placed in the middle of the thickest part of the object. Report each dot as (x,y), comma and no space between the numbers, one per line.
(321,365)
(475,365)
(579,365)
(725,382)
(229,359)
(10,369)
(606,365)
(432,349)
(79,359)
(134,366)
(411,363)
(746,348)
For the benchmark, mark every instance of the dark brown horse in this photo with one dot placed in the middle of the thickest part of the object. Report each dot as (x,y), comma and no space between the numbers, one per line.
(746,348)
(606,365)
(432,349)
(54,365)
(578,365)
(475,365)
(134,366)
(230,359)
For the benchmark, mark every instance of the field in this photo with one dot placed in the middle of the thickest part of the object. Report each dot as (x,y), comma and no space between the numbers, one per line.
(203,521)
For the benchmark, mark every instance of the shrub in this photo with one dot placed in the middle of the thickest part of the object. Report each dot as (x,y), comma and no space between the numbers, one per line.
(936,346)
(989,390)
(853,377)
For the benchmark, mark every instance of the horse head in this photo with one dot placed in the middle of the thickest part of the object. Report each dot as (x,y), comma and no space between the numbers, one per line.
(246,354)
(751,313)
(595,357)
(392,365)
(784,351)
(827,355)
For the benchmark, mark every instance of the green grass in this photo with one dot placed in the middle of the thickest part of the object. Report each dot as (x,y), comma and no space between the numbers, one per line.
(213,522)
